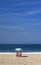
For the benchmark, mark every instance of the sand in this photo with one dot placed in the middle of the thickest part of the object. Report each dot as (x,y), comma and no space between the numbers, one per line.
(26,59)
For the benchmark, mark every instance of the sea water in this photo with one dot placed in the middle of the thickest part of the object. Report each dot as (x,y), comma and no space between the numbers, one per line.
(26,47)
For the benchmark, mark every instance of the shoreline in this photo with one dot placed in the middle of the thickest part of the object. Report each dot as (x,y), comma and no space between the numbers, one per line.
(22,52)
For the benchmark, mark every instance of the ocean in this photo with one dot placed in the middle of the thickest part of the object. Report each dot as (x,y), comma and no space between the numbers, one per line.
(25,47)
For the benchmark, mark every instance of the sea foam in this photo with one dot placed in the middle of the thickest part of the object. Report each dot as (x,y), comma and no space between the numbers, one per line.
(22,52)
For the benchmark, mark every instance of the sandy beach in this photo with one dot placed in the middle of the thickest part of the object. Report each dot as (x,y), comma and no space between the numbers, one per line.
(26,59)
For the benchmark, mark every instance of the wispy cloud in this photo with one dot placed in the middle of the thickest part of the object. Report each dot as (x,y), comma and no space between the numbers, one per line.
(29,3)
(23,14)
(8,27)
(20,27)
(18,3)
(35,2)
(28,13)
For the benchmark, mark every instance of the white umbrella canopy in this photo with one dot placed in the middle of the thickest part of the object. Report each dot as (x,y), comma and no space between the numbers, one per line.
(18,49)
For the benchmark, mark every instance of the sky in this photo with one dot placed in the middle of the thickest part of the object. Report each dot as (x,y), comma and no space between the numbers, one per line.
(20,21)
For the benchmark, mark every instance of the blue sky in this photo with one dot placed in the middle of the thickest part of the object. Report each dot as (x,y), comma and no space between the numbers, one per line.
(20,21)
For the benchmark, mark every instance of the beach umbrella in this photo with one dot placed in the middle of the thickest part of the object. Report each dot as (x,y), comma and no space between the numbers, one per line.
(18,49)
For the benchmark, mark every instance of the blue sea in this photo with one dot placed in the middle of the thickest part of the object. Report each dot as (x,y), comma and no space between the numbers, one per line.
(25,47)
